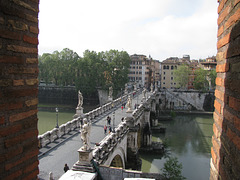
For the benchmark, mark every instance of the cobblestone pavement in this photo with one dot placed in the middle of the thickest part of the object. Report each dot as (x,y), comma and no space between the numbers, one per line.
(64,150)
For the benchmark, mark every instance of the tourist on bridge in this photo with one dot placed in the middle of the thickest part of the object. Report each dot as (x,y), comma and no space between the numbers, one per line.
(109,120)
(66,168)
(110,129)
(105,129)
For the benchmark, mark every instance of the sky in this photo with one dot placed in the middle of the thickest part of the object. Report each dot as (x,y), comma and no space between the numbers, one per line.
(159,28)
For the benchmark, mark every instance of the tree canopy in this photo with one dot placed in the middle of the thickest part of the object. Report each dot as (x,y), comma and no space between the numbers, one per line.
(93,70)
(181,75)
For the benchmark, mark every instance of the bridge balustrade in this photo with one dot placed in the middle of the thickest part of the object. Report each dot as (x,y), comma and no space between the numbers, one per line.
(50,136)
(107,145)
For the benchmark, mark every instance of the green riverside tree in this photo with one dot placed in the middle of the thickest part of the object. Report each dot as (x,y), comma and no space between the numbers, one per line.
(181,75)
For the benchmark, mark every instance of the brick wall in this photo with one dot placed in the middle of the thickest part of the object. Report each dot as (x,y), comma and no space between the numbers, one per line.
(18,89)
(225,162)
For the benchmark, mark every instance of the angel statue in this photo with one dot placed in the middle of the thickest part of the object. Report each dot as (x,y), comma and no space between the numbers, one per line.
(85,134)
(80,100)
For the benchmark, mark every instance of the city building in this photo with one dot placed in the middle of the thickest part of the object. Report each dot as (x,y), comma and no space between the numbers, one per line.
(167,67)
(144,70)
(209,64)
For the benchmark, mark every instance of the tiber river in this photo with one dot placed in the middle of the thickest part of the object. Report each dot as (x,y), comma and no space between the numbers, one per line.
(188,137)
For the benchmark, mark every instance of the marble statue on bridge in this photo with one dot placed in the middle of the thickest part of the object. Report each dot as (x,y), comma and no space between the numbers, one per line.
(129,104)
(80,100)
(110,97)
(144,94)
(85,134)
(79,108)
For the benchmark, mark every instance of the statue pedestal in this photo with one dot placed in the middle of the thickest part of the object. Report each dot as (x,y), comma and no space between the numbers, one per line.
(84,162)
(79,112)
(129,111)
(110,99)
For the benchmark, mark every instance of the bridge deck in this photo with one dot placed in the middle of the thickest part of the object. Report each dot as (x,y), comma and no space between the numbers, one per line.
(64,150)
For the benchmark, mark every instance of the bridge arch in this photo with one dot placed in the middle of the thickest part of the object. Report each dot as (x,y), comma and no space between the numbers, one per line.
(117,159)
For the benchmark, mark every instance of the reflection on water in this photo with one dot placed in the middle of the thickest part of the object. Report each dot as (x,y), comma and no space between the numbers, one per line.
(189,139)
(47,119)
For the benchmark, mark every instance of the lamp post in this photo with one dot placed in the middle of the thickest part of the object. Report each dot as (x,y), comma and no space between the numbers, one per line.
(57,118)
(113,129)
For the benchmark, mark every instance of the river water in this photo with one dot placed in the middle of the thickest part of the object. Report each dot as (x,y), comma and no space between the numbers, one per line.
(189,139)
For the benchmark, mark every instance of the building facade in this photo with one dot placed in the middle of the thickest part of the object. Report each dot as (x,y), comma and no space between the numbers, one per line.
(144,70)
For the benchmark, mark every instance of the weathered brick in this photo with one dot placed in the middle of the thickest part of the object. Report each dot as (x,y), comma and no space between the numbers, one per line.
(219,95)
(18,25)
(214,156)
(237,123)
(5,82)
(22,49)
(32,175)
(216,131)
(223,14)
(17,105)
(1,20)
(18,82)
(233,19)
(223,41)
(14,175)
(31,40)
(236,2)
(216,147)
(23,115)
(31,82)
(234,138)
(12,59)
(31,167)
(25,5)
(234,103)
(21,93)
(218,106)
(10,130)
(31,18)
(18,139)
(32,102)
(222,68)
(220,31)
(14,152)
(34,30)
(234,49)
(235,68)
(18,70)
(221,5)
(220,81)
(32,60)
(229,116)
(2,120)
(10,35)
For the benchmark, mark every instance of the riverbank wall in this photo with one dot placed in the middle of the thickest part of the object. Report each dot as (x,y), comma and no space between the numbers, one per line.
(63,95)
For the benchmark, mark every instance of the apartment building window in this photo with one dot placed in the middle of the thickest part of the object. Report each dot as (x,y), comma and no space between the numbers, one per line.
(133,67)
(140,72)
(164,72)
(140,67)
(163,82)
(164,78)
(140,78)
(171,67)
(171,78)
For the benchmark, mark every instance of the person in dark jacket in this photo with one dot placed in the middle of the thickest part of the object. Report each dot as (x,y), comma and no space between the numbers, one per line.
(66,168)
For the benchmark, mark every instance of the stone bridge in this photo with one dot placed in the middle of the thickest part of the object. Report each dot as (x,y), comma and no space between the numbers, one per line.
(120,148)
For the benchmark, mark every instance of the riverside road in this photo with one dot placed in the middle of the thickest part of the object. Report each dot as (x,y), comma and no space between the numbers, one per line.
(54,156)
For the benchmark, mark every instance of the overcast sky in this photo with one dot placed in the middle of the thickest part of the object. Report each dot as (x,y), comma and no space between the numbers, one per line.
(160,28)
